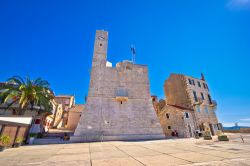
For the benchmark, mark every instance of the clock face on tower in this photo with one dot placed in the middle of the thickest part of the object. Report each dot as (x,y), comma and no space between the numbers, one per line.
(101,38)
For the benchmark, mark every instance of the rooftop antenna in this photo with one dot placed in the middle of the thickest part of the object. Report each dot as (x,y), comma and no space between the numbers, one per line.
(133,53)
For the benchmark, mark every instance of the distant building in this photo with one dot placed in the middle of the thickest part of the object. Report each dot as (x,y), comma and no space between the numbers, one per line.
(188,107)
(177,119)
(67,102)
(74,116)
(55,119)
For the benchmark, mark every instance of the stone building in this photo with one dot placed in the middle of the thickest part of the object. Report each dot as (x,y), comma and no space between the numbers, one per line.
(55,119)
(74,116)
(181,120)
(193,94)
(118,105)
(67,102)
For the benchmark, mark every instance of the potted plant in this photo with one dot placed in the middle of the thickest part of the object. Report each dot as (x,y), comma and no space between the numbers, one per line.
(32,137)
(18,142)
(223,138)
(4,140)
(207,135)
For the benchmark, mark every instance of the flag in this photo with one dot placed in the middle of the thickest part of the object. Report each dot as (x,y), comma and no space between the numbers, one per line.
(133,50)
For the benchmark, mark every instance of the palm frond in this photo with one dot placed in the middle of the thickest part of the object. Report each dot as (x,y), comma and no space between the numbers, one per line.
(16,80)
(28,93)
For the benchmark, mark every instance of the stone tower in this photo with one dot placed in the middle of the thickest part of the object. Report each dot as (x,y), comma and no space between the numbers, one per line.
(119,105)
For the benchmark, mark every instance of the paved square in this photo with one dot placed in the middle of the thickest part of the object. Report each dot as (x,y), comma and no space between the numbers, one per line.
(137,153)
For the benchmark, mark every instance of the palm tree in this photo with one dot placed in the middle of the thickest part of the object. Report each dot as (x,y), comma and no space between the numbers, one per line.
(28,94)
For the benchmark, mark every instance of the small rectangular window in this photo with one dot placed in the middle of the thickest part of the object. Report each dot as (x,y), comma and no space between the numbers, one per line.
(202,96)
(193,82)
(190,82)
(204,85)
(195,96)
(209,99)
(206,109)
(186,115)
(198,109)
(169,127)
(167,115)
(199,84)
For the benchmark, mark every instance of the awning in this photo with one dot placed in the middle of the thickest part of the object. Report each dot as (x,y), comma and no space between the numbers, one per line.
(16,120)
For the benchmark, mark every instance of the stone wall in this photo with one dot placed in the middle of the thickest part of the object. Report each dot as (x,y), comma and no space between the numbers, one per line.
(175,91)
(174,119)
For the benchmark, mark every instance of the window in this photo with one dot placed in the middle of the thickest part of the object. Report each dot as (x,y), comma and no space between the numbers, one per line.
(195,96)
(167,115)
(215,126)
(169,127)
(186,115)
(199,84)
(193,82)
(209,99)
(198,109)
(204,85)
(206,109)
(190,82)
(202,96)
(100,44)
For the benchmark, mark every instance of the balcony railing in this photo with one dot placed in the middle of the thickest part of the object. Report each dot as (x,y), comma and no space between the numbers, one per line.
(213,103)
(199,101)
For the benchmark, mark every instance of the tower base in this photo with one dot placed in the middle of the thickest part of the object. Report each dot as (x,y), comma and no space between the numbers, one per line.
(101,138)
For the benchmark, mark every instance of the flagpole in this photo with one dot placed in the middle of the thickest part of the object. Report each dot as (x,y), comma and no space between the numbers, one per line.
(133,53)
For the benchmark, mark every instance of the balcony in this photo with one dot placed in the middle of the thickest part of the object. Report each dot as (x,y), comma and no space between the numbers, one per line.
(199,101)
(213,103)
(121,94)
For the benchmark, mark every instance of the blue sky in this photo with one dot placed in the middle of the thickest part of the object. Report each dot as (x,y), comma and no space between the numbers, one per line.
(54,40)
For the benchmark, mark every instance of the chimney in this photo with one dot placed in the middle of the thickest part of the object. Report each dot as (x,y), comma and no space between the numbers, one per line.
(202,77)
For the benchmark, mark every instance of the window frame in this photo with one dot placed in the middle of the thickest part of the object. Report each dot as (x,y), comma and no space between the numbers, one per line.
(206,109)
(202,96)
(195,96)
(193,82)
(204,85)
(199,84)
(198,109)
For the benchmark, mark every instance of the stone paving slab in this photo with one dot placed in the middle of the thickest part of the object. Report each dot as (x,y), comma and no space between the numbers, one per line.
(196,157)
(226,155)
(138,151)
(126,161)
(161,160)
(119,153)
(164,149)
(233,162)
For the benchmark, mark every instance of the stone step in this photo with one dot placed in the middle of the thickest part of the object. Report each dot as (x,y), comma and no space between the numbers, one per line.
(44,141)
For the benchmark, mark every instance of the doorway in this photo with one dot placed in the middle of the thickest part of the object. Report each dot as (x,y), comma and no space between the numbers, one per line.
(211,129)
